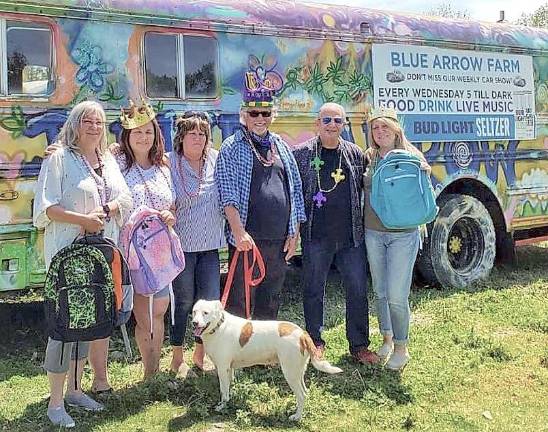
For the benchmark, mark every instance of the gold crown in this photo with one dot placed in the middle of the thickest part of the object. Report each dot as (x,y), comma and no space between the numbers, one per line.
(134,117)
(382,112)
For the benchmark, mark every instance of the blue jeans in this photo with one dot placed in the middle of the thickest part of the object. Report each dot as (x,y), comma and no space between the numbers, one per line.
(391,258)
(318,255)
(201,279)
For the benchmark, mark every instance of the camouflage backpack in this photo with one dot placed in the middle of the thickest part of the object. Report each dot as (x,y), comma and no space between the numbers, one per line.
(79,295)
(123,289)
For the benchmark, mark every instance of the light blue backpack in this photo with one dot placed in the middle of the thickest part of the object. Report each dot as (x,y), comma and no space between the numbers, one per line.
(401,193)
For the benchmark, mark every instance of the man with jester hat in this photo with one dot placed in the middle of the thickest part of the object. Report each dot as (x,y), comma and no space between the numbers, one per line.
(331,170)
(261,197)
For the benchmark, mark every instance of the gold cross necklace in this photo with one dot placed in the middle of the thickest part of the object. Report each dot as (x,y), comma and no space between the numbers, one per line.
(319,197)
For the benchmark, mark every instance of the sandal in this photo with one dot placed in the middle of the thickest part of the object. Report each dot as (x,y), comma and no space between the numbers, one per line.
(104,392)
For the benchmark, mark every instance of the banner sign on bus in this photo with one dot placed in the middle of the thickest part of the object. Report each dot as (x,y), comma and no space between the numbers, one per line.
(456,95)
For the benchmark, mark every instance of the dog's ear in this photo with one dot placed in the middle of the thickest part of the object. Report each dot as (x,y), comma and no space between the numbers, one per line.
(218,305)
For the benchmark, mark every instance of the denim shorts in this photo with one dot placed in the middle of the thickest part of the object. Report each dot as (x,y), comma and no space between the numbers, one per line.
(164,292)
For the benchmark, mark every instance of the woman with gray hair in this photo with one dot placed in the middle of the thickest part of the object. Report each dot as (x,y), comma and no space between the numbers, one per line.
(80,190)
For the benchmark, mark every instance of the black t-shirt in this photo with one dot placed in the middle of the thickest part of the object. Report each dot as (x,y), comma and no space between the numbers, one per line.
(269,204)
(336,211)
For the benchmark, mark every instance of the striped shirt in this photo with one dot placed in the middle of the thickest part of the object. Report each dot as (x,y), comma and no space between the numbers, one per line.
(233,174)
(199,220)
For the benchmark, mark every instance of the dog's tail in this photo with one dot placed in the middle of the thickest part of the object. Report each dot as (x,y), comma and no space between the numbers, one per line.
(322,365)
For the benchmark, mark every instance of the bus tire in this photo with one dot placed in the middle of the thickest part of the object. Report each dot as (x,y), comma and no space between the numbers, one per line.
(461,247)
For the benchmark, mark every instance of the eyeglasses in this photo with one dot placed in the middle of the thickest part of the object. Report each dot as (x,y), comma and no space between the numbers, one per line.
(89,123)
(256,114)
(327,120)
(200,114)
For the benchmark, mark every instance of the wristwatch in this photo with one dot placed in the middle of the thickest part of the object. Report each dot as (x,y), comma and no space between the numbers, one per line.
(106,209)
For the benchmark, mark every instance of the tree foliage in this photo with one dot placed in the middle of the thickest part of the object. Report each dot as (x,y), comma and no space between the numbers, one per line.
(538,18)
(447,10)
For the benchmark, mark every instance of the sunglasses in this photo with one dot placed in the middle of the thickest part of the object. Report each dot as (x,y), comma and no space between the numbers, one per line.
(256,114)
(200,114)
(327,120)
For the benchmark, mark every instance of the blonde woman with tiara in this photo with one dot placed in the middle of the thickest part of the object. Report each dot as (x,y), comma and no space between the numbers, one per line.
(391,253)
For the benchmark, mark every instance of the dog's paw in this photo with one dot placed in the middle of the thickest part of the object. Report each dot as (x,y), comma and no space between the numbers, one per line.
(220,406)
(295,417)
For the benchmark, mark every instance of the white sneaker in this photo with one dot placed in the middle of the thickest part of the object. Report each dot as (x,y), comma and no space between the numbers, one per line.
(59,417)
(398,361)
(385,350)
(82,400)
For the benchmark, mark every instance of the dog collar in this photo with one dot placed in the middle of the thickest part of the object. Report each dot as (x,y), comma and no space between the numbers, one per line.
(221,320)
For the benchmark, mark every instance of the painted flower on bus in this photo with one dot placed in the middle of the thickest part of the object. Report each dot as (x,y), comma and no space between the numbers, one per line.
(92,67)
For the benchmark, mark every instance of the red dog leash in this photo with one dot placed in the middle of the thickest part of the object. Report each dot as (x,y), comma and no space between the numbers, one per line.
(249,282)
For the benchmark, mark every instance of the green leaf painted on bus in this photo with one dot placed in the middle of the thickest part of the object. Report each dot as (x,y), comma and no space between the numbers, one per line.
(158,107)
(335,72)
(15,122)
(82,95)
(228,90)
(110,94)
(9,123)
(334,83)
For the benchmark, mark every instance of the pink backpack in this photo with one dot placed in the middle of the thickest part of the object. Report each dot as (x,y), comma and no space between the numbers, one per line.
(153,251)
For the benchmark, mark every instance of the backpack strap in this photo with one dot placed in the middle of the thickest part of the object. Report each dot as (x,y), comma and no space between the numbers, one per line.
(76,366)
(116,268)
(150,311)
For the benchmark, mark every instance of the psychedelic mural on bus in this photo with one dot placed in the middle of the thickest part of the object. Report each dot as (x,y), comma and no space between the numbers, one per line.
(99,57)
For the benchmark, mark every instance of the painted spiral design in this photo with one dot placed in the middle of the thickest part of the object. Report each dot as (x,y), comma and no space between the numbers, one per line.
(462,155)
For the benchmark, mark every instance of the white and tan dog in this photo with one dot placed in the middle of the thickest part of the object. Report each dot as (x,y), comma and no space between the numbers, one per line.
(232,343)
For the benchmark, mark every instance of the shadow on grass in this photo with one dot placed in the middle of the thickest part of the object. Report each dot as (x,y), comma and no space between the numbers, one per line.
(373,386)
(21,353)
(124,403)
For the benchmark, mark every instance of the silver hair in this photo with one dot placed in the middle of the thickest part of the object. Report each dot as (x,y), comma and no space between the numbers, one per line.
(69,136)
(333,105)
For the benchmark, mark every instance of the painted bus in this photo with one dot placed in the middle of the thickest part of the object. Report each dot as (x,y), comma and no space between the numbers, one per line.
(472,96)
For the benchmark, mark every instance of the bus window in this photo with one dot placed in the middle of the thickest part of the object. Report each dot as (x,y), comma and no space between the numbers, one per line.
(161,65)
(200,66)
(180,66)
(29,56)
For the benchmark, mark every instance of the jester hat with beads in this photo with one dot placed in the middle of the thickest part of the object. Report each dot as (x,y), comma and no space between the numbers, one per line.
(257,94)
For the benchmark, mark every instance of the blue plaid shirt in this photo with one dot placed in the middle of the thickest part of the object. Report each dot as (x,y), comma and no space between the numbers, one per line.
(233,175)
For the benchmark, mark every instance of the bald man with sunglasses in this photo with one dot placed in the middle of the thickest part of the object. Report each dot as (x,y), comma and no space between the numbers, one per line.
(260,192)
(331,170)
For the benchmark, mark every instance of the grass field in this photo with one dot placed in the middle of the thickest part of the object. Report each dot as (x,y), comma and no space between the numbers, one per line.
(479,363)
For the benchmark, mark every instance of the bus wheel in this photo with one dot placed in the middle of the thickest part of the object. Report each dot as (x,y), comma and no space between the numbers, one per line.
(462,243)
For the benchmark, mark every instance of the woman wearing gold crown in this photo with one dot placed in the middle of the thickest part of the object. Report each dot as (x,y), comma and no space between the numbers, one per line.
(140,157)
(391,253)
(80,189)
(146,170)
